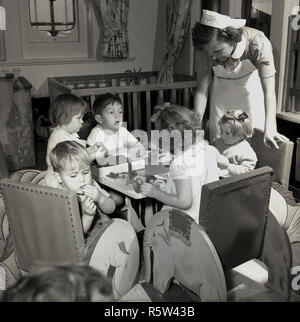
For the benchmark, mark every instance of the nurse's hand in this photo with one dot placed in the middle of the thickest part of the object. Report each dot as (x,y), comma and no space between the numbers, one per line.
(274,139)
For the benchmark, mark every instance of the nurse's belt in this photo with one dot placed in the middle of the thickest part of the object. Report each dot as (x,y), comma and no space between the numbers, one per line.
(216,20)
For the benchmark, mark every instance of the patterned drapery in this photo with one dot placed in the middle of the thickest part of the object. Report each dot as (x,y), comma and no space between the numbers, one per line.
(112,18)
(178,15)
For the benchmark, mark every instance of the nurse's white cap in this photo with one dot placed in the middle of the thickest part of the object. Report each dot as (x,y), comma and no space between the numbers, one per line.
(216,20)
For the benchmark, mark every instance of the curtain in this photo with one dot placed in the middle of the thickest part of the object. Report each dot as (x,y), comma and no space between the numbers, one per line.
(112,18)
(178,14)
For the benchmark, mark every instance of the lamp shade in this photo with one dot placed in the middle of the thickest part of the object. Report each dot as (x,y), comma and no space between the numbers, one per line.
(2,19)
(52,16)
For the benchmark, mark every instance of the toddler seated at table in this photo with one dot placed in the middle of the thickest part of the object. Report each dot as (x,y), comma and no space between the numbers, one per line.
(108,111)
(237,155)
(71,164)
(66,115)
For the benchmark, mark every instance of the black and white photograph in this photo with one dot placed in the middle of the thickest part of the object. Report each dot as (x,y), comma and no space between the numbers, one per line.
(150,154)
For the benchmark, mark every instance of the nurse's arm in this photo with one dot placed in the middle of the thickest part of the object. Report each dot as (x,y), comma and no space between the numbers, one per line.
(272,137)
(268,85)
(200,98)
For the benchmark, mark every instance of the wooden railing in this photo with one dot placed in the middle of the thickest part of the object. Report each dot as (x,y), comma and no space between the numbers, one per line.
(139,92)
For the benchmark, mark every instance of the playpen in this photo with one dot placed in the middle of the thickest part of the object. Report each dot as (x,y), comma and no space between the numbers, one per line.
(139,92)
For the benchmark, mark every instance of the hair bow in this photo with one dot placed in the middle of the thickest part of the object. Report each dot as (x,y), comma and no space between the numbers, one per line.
(157,111)
(241,117)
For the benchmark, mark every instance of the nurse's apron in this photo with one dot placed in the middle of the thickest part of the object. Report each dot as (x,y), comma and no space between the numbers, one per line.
(233,90)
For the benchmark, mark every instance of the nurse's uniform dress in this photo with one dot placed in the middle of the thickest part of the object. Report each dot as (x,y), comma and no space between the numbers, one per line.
(236,83)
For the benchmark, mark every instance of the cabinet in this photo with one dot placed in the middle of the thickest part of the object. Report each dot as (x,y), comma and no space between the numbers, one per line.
(16,123)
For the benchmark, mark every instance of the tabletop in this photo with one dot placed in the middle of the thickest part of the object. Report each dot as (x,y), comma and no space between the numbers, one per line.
(121,184)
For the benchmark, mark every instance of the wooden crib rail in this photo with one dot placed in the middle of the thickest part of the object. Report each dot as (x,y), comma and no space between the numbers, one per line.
(139,92)
(56,88)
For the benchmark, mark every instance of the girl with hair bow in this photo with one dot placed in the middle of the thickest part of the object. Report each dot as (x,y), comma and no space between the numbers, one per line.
(236,154)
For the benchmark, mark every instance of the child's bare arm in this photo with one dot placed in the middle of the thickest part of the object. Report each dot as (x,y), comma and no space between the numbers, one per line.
(97,150)
(243,167)
(106,204)
(223,162)
(182,200)
(88,212)
(136,151)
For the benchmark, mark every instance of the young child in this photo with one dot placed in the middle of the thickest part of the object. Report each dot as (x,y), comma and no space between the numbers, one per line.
(71,164)
(237,155)
(109,131)
(194,163)
(65,283)
(66,115)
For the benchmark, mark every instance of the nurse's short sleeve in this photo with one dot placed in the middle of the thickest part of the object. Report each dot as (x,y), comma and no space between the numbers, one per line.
(261,52)
(203,62)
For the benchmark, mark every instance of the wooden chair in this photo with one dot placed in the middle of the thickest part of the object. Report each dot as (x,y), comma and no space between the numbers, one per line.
(235,214)
(46,228)
(280,160)
(235,225)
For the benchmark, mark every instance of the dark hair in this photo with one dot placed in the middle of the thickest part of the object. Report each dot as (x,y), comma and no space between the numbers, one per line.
(202,35)
(66,283)
(103,100)
(64,107)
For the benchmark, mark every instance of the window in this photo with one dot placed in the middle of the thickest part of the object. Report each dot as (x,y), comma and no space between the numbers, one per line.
(72,40)
(258,14)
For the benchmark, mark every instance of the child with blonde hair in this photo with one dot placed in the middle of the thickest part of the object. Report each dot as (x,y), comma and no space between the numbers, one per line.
(237,155)
(64,283)
(71,164)
(66,115)
(194,161)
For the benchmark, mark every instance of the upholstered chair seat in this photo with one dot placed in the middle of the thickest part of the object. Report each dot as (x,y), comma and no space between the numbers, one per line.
(45,229)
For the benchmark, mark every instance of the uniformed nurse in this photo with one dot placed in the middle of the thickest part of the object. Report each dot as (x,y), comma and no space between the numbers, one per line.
(243,76)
